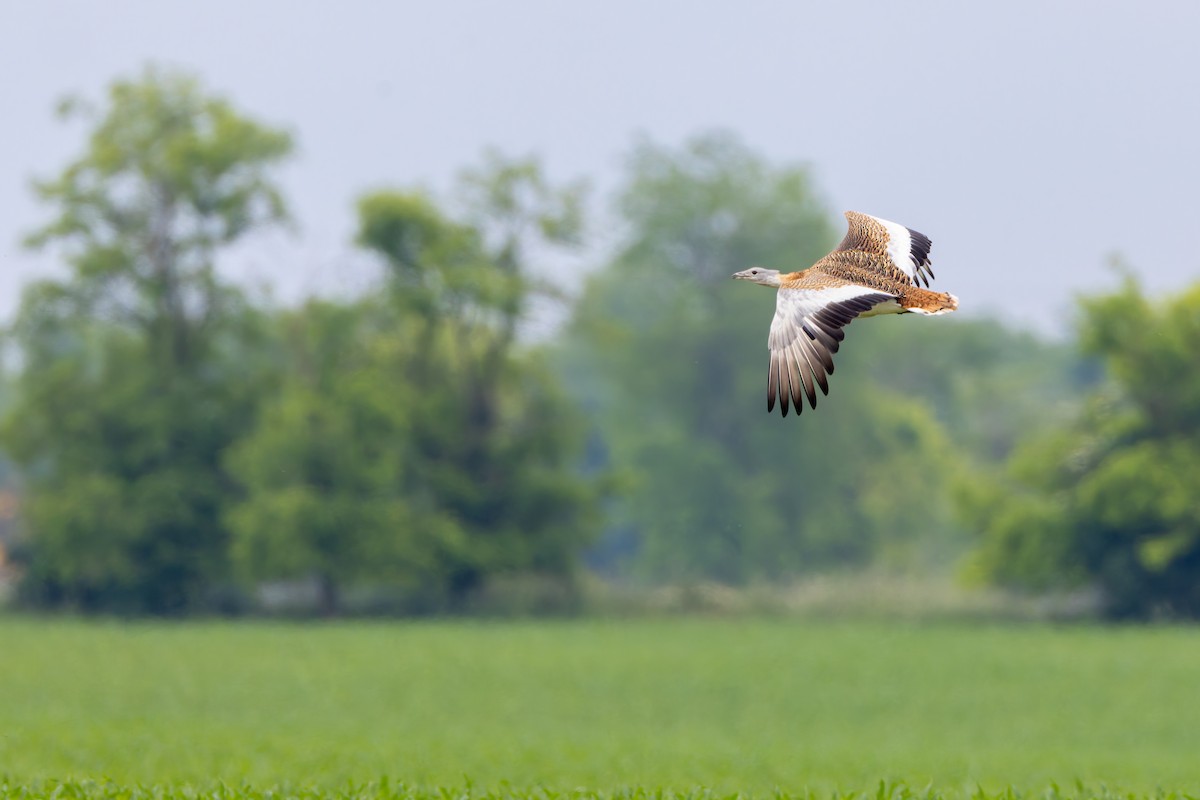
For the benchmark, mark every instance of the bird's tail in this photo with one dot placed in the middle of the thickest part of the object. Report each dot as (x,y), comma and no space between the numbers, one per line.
(924,301)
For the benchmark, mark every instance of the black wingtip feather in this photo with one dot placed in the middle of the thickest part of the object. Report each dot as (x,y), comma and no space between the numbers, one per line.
(919,247)
(772,382)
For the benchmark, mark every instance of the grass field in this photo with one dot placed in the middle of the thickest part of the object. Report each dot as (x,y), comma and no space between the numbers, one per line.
(647,707)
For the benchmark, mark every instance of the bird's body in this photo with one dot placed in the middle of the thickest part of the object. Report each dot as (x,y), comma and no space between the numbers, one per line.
(877,269)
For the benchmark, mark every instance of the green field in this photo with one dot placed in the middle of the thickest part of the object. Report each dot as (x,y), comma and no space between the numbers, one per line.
(650,706)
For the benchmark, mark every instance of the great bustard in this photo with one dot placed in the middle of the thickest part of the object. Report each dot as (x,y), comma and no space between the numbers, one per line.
(877,269)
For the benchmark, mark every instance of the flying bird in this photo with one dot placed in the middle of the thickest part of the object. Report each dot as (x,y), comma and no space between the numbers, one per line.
(879,268)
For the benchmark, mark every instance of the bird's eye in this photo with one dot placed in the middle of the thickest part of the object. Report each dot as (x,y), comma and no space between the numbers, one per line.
(753,272)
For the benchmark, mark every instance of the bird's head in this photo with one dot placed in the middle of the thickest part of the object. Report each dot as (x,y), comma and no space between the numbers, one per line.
(767,277)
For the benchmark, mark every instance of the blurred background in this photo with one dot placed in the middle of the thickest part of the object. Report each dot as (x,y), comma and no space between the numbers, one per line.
(413,309)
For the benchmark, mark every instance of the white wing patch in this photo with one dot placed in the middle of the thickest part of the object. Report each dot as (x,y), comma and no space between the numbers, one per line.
(899,246)
(805,333)
(908,250)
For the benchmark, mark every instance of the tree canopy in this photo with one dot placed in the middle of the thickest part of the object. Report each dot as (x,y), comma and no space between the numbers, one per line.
(416,443)
(139,367)
(178,440)
(1110,499)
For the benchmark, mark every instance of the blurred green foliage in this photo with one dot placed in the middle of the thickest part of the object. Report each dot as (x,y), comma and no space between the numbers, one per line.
(140,366)
(177,441)
(179,446)
(1113,499)
(414,443)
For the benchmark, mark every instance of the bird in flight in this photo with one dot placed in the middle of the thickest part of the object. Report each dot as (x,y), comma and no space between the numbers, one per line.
(879,268)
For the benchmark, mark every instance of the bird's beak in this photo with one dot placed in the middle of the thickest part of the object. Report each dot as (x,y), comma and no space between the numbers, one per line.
(743,275)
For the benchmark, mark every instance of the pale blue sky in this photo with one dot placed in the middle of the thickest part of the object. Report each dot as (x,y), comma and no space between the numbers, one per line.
(1029,140)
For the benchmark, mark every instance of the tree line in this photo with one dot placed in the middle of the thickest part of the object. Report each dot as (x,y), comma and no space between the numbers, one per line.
(178,442)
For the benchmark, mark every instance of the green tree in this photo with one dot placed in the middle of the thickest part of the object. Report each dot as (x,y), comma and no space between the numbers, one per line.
(138,367)
(1110,500)
(438,448)
(671,357)
(496,439)
(989,385)
(324,470)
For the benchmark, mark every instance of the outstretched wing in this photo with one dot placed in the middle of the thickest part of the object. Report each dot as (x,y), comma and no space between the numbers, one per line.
(906,249)
(805,333)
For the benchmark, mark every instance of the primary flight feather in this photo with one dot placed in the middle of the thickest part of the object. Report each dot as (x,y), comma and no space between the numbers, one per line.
(879,268)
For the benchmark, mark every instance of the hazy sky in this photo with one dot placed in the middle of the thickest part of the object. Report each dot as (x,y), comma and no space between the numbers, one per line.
(1030,141)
